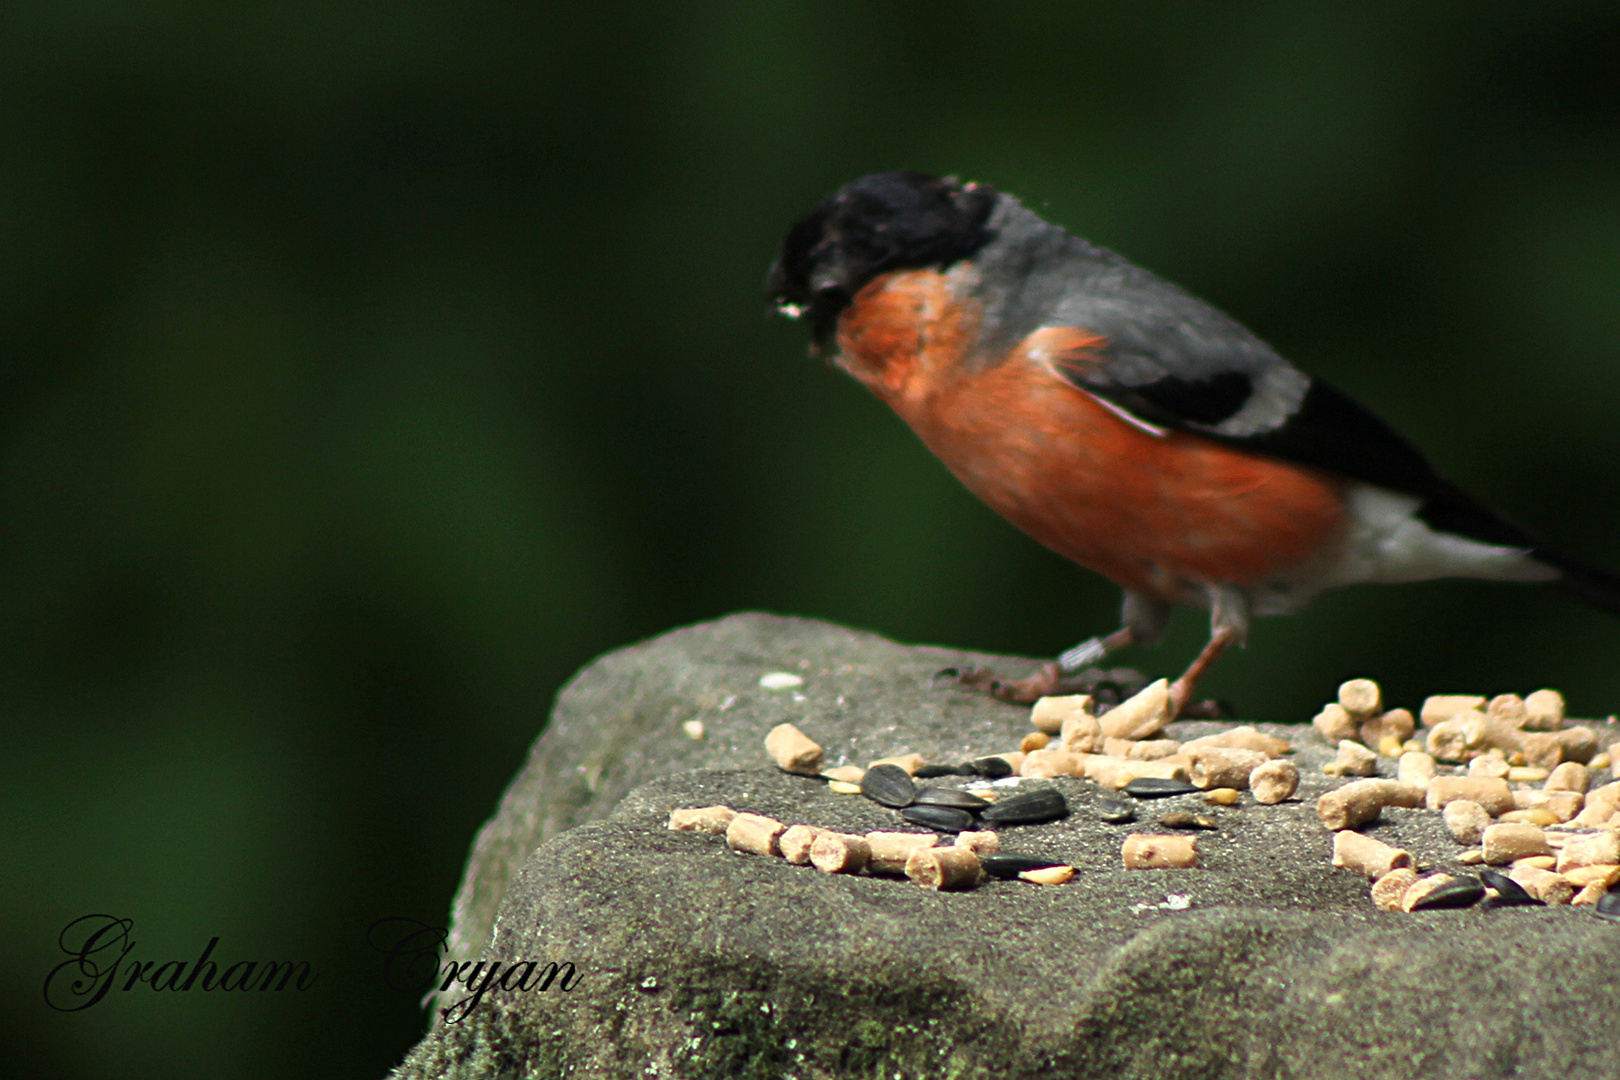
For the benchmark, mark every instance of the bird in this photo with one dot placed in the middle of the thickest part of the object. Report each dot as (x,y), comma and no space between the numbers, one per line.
(1127,425)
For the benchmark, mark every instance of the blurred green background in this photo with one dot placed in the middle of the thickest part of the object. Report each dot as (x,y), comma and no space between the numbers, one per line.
(368,368)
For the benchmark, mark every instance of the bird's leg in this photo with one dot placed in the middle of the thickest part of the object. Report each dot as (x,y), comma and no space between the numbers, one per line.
(1181,690)
(1228,624)
(1049,678)
(1144,618)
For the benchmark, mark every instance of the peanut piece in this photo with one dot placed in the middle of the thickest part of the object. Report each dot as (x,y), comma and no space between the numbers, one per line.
(1596,849)
(1544,885)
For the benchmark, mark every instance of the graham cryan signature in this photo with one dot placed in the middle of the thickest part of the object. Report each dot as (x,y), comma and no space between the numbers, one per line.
(412,950)
(98,944)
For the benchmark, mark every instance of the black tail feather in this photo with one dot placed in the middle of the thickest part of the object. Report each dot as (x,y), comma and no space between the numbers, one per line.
(1593,584)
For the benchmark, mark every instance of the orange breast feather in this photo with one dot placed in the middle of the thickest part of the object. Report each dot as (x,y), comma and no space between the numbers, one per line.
(1156,514)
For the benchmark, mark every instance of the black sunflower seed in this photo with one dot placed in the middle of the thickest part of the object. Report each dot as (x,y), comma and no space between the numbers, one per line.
(1459,892)
(889,785)
(1009,864)
(933,772)
(1509,893)
(1608,907)
(938,818)
(1187,821)
(1149,787)
(944,796)
(1026,809)
(1114,811)
(993,767)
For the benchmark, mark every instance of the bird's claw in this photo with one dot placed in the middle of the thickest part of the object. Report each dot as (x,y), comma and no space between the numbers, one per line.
(1046,681)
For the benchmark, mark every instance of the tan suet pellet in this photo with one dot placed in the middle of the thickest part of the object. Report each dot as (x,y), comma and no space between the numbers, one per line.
(1360,801)
(1394,726)
(1145,851)
(1546,886)
(839,853)
(1388,890)
(1224,767)
(1049,875)
(1334,724)
(1142,749)
(1361,698)
(1140,716)
(1491,793)
(1081,734)
(1544,711)
(703,819)
(1274,781)
(1049,712)
(1363,854)
(793,751)
(1115,773)
(1466,820)
(1242,737)
(943,868)
(1415,767)
(890,850)
(1505,843)
(1441,707)
(1352,759)
(795,843)
(981,842)
(755,833)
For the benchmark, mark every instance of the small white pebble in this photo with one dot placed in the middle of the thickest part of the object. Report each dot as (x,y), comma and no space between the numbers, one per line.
(780,680)
(1177,902)
(693,729)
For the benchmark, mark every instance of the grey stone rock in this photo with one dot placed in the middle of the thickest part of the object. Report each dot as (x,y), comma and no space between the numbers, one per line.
(692,960)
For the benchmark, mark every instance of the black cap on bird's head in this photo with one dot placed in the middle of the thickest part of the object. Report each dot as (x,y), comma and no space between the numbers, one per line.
(882,222)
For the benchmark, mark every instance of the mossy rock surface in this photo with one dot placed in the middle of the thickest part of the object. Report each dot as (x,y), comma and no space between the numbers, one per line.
(694,961)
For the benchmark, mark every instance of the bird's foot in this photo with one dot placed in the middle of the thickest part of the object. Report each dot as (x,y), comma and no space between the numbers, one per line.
(1046,681)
